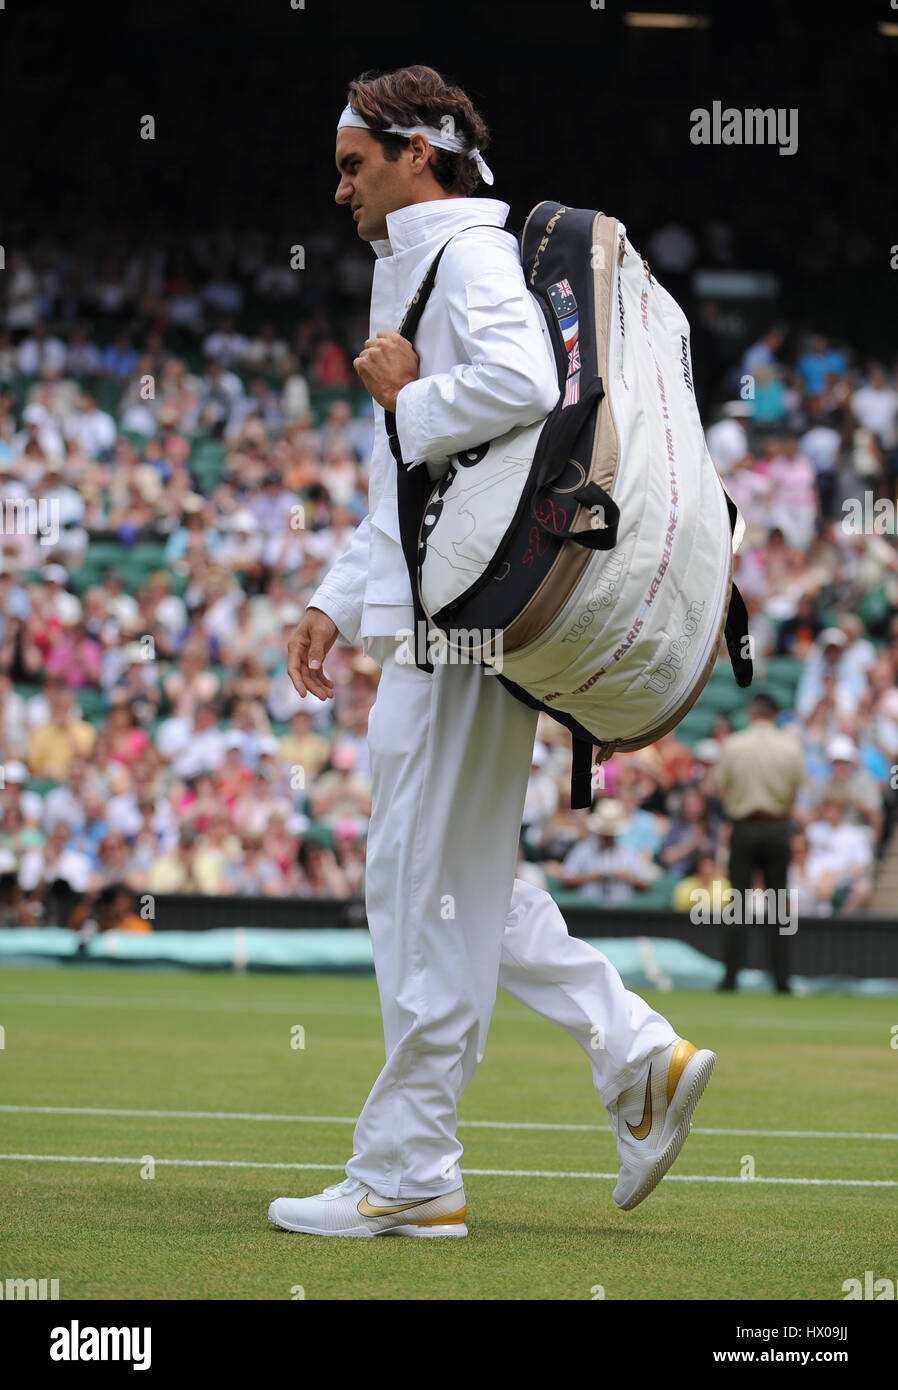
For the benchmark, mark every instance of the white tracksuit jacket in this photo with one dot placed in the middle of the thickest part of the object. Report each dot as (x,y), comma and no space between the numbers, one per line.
(486,367)
(450,752)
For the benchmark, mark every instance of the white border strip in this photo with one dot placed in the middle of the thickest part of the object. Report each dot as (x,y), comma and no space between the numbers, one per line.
(469,1172)
(463,1124)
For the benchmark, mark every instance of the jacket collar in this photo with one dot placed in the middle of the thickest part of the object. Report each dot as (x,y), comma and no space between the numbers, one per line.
(420,223)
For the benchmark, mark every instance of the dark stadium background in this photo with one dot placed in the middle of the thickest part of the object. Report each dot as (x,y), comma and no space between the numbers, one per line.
(582,107)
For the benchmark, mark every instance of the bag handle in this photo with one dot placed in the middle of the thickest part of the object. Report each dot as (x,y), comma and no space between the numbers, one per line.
(559,434)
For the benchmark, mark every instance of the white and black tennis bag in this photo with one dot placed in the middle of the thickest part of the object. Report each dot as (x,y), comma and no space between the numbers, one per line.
(597,543)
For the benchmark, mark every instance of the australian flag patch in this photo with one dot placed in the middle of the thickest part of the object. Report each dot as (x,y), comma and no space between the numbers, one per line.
(561,297)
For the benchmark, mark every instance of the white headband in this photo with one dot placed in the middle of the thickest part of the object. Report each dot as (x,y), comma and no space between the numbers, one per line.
(436,137)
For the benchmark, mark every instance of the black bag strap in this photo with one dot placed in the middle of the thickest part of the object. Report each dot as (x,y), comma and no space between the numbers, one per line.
(736,628)
(409,325)
(581,773)
(414,485)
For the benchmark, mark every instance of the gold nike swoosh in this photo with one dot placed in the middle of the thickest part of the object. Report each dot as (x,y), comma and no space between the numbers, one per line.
(365,1208)
(643,1129)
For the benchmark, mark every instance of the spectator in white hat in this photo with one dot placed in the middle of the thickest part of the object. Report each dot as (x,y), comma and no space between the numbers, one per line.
(15,793)
(599,867)
(852,786)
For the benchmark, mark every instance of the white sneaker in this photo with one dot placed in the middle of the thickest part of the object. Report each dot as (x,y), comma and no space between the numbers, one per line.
(350,1208)
(651,1120)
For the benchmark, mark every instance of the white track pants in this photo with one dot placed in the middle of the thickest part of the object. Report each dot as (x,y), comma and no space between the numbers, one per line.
(449,922)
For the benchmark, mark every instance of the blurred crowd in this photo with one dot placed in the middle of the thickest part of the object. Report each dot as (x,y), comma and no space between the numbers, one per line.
(177,472)
(807,444)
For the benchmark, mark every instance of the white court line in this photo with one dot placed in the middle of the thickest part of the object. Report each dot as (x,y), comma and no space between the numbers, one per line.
(470,1172)
(469,1124)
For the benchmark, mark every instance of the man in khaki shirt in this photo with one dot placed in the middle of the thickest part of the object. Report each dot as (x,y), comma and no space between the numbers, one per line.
(758,773)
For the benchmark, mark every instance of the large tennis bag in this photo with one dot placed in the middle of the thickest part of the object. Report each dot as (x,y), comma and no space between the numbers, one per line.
(587,557)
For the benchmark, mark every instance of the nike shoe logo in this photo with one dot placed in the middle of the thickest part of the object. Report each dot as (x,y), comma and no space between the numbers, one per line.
(365,1208)
(643,1129)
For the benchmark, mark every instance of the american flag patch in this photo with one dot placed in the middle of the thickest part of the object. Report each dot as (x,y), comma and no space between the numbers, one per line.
(571,390)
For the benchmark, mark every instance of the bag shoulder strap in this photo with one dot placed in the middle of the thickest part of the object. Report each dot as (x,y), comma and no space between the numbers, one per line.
(409,325)
(736,634)
(413,485)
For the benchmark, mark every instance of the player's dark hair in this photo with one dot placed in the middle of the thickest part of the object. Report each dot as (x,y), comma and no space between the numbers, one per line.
(419,95)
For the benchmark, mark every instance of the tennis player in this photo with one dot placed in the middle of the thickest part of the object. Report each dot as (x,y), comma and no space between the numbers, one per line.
(451,751)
